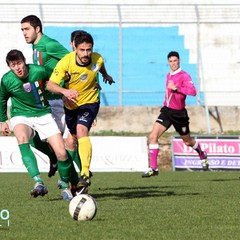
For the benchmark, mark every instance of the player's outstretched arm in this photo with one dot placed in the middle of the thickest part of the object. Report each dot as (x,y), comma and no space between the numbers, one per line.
(106,77)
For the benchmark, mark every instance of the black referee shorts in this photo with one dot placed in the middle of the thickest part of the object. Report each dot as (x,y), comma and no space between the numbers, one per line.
(178,118)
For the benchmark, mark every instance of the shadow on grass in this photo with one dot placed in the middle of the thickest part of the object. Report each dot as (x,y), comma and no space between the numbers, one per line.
(120,193)
(4,229)
(225,180)
(137,192)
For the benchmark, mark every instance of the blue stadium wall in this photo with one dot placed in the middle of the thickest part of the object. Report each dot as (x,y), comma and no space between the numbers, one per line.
(144,61)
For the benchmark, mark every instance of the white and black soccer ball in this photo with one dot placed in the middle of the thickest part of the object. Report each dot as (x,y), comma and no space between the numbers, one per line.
(83,207)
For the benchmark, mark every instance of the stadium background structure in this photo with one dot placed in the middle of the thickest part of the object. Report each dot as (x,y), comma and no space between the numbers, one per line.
(135,38)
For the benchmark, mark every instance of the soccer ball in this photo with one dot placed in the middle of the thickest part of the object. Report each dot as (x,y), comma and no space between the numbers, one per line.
(83,207)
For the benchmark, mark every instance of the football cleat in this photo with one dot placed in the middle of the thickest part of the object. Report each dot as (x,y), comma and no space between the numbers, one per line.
(66,194)
(76,190)
(82,187)
(83,190)
(84,181)
(39,190)
(150,173)
(204,161)
(52,170)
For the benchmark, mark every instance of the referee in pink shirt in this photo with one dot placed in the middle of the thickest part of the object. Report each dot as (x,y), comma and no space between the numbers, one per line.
(178,85)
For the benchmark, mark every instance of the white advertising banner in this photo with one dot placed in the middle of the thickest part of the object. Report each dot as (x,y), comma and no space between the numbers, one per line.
(110,154)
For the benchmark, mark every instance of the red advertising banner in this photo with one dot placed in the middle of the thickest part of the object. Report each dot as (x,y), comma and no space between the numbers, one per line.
(223,153)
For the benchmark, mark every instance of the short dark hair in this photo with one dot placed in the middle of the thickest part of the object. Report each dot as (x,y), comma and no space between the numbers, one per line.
(75,33)
(173,54)
(33,20)
(84,37)
(14,55)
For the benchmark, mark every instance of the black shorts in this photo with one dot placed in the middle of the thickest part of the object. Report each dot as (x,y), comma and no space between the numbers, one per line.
(83,115)
(178,118)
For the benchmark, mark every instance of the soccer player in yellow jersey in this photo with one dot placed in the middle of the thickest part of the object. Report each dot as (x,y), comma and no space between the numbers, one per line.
(72,44)
(81,66)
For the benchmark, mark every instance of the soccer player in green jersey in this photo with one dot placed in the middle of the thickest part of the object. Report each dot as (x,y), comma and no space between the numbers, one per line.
(82,66)
(46,52)
(30,112)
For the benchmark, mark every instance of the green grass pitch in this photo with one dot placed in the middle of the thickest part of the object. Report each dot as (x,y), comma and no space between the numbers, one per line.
(173,205)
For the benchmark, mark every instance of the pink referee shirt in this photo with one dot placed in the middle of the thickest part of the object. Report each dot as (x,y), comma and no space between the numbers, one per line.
(185,86)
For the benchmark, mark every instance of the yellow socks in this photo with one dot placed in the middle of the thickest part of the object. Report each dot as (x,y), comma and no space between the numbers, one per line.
(85,152)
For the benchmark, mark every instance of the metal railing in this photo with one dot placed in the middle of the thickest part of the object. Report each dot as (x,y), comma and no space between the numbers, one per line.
(122,15)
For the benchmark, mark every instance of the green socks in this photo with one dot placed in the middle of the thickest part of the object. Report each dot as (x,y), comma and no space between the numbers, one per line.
(74,155)
(30,161)
(68,172)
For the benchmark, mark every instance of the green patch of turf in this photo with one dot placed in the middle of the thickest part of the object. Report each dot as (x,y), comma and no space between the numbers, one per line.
(173,205)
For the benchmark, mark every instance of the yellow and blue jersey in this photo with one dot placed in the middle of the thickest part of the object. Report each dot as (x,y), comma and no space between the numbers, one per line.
(80,78)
